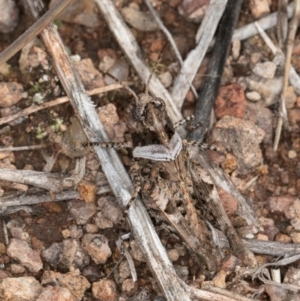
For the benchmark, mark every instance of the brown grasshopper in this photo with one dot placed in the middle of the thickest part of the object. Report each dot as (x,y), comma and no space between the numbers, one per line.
(176,182)
(171,181)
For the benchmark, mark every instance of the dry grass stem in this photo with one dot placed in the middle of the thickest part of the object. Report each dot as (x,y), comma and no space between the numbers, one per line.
(56,102)
(22,148)
(290,45)
(282,22)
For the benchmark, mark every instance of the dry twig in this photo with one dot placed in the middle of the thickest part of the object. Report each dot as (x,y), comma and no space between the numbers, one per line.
(34,30)
(56,102)
(49,181)
(21,148)
(282,22)
(290,40)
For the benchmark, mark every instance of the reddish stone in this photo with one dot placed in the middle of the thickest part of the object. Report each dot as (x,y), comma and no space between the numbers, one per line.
(280,204)
(89,75)
(105,289)
(229,263)
(269,228)
(157,45)
(106,52)
(231,101)
(56,293)
(294,116)
(11,93)
(282,238)
(229,202)
(20,250)
(189,6)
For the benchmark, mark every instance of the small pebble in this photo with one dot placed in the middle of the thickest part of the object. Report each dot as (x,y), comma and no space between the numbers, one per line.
(96,245)
(269,89)
(75,283)
(294,116)
(292,154)
(11,93)
(136,252)
(181,249)
(262,237)
(236,49)
(56,293)
(90,76)
(21,288)
(129,287)
(21,251)
(292,276)
(91,228)
(105,289)
(231,101)
(295,237)
(253,96)
(259,8)
(17,269)
(65,233)
(266,70)
(283,238)
(124,270)
(255,58)
(139,20)
(38,98)
(173,255)
(120,70)
(166,79)
(9,17)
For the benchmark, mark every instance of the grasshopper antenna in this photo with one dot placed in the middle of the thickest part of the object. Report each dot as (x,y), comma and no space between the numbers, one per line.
(124,86)
(154,67)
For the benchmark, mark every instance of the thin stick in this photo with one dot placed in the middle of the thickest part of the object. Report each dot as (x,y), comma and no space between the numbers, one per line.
(290,40)
(282,22)
(56,102)
(34,30)
(31,198)
(22,148)
(50,181)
